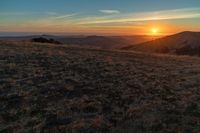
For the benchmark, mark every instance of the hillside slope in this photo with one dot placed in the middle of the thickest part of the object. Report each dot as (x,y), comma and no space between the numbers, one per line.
(56,88)
(101,42)
(186,43)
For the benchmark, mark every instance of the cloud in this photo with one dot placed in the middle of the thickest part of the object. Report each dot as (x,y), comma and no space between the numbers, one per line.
(12,13)
(184,13)
(51,13)
(109,11)
(26,13)
(60,22)
(65,16)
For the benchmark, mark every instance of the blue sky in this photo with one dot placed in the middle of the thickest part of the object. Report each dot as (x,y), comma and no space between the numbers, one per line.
(98,16)
(90,6)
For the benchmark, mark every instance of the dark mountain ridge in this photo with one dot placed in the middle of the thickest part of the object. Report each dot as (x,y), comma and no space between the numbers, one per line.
(184,43)
(102,42)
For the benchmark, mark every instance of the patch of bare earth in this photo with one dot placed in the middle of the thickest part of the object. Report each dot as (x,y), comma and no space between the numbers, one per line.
(55,88)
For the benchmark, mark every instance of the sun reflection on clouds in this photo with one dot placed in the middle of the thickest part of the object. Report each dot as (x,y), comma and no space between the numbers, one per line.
(117,21)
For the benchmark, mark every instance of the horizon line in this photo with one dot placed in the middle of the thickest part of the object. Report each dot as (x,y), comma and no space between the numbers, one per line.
(20,34)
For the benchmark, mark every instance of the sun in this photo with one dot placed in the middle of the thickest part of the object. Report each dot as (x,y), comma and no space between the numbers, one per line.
(154,30)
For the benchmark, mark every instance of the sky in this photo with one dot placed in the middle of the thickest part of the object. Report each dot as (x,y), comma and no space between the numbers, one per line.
(113,17)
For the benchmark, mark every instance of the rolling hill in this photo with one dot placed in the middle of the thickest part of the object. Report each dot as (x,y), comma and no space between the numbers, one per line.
(59,88)
(184,43)
(102,42)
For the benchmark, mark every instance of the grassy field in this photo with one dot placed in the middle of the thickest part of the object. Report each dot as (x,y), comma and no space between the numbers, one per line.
(56,88)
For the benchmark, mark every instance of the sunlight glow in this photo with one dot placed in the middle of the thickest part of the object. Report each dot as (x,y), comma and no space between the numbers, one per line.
(154,31)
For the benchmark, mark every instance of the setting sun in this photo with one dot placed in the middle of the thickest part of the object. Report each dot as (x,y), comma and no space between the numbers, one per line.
(154,30)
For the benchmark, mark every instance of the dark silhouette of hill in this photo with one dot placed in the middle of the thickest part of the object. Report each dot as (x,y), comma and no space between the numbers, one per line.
(105,42)
(44,40)
(102,42)
(184,43)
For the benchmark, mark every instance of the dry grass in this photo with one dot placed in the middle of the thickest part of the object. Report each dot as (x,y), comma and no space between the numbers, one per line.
(56,88)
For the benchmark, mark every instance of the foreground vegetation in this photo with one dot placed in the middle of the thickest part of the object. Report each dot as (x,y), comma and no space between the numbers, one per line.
(56,88)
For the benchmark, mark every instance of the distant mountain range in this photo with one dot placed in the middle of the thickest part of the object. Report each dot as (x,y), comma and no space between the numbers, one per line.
(184,43)
(103,42)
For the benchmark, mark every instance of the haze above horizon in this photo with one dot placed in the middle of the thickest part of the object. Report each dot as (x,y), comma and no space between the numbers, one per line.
(111,17)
